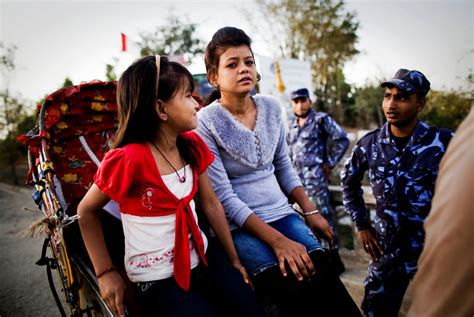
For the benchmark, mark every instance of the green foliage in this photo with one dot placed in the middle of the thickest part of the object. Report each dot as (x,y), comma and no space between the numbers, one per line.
(174,38)
(368,111)
(446,109)
(110,74)
(339,102)
(13,117)
(14,121)
(7,58)
(320,32)
(67,82)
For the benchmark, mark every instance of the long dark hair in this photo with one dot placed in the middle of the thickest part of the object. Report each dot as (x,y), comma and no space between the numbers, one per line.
(137,96)
(221,40)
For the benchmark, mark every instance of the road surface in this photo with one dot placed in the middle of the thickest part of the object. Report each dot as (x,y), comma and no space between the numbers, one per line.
(24,288)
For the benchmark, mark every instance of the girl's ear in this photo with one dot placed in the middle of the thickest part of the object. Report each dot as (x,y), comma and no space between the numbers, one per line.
(161,110)
(212,78)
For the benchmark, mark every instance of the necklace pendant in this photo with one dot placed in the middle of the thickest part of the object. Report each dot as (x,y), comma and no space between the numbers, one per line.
(182,179)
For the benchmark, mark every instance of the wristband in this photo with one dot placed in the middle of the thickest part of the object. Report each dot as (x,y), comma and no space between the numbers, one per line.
(110,268)
(306,214)
(309,213)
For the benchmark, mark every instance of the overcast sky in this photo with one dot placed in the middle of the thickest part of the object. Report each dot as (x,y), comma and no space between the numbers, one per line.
(59,39)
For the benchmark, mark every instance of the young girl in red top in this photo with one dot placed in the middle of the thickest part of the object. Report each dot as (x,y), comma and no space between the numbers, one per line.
(155,168)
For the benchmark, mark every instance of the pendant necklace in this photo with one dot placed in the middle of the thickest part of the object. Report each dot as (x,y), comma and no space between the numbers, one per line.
(181,179)
(242,117)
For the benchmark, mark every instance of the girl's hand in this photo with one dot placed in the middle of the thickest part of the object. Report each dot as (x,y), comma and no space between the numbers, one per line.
(243,271)
(320,227)
(112,289)
(295,255)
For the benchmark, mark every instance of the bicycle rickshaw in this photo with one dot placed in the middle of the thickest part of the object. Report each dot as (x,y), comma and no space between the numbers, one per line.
(74,125)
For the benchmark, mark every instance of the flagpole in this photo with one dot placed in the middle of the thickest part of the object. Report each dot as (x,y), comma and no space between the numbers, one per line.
(283,101)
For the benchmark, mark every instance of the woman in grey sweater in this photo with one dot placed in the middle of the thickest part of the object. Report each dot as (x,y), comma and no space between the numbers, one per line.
(253,177)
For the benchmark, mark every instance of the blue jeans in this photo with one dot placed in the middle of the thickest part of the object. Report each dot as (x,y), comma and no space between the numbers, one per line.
(218,290)
(257,256)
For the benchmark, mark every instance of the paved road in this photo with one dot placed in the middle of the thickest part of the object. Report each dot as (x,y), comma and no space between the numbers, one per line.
(24,288)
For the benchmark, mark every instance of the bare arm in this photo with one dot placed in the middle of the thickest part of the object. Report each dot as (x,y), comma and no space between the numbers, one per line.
(215,214)
(316,221)
(111,284)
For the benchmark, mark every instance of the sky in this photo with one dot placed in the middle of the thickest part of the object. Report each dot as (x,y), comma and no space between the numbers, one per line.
(59,39)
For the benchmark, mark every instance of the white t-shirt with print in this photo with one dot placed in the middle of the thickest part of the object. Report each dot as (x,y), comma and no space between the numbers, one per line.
(149,244)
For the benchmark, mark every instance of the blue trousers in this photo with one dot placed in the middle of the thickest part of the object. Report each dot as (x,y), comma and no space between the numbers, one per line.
(257,256)
(385,286)
(323,295)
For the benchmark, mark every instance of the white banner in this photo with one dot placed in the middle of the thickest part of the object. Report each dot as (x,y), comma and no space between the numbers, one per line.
(294,74)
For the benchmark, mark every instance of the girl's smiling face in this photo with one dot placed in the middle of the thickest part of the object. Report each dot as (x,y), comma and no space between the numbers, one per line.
(181,109)
(236,73)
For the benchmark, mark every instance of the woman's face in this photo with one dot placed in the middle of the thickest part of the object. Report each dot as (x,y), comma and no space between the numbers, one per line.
(236,73)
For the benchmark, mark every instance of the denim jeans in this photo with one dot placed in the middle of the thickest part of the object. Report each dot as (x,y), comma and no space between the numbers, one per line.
(257,256)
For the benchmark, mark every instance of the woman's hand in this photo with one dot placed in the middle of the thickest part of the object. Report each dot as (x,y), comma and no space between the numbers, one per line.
(320,227)
(370,243)
(295,255)
(112,289)
(243,271)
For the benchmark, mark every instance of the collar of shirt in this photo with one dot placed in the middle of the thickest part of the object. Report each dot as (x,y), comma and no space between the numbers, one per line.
(420,131)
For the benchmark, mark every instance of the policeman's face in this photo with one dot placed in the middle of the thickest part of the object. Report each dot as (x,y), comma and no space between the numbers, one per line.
(401,109)
(301,106)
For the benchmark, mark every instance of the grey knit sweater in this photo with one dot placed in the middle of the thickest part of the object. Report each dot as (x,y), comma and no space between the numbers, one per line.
(252,172)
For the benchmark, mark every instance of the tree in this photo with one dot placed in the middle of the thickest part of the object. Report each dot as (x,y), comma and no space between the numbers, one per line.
(67,82)
(368,113)
(446,109)
(320,32)
(13,117)
(174,38)
(110,71)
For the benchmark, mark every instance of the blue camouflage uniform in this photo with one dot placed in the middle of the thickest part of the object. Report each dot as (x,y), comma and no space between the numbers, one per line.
(403,183)
(309,151)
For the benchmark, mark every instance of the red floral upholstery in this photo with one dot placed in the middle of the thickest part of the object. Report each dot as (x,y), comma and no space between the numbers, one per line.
(88,110)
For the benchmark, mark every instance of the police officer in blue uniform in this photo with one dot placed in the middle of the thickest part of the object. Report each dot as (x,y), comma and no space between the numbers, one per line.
(307,139)
(402,160)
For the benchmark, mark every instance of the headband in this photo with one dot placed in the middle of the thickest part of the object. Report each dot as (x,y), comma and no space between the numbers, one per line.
(157,62)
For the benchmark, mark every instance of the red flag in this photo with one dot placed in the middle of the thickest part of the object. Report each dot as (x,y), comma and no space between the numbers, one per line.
(130,46)
(124,42)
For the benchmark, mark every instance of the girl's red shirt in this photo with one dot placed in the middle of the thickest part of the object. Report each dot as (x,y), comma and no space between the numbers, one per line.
(129,174)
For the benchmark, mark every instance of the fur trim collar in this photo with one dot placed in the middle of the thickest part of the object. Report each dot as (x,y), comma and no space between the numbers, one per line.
(251,148)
